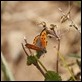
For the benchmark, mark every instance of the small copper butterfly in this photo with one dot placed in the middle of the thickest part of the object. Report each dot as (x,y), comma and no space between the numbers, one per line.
(39,42)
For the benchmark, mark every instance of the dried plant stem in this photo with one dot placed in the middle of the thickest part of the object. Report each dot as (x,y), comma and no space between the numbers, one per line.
(24,49)
(38,67)
(6,70)
(57,61)
(58,49)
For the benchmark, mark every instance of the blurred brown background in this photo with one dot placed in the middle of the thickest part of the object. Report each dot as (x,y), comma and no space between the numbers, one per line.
(20,18)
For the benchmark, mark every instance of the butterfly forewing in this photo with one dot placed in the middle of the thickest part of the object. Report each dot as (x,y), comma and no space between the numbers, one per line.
(43,37)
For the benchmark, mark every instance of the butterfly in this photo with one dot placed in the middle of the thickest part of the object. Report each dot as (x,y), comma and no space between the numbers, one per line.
(39,42)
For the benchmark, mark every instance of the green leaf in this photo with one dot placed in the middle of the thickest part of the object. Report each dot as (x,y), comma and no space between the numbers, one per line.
(52,76)
(31,60)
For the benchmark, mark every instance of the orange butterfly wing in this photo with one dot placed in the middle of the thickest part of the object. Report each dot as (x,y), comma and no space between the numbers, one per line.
(39,42)
(43,37)
(34,46)
(30,46)
(36,39)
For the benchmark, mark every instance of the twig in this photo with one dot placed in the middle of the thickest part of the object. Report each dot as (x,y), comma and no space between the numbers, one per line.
(38,67)
(73,25)
(41,64)
(57,61)
(58,39)
(24,49)
(66,16)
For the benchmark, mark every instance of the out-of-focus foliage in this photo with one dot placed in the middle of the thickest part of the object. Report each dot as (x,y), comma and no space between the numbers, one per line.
(52,76)
(77,3)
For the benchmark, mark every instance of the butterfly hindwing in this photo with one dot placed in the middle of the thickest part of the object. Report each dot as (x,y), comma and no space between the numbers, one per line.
(30,46)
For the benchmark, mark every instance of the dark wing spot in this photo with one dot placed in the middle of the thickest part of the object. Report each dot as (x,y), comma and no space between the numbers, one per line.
(33,42)
(34,39)
(41,38)
(46,42)
(44,38)
(43,35)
